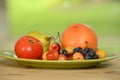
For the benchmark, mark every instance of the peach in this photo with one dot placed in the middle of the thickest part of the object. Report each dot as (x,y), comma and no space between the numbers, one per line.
(78,56)
(101,53)
(62,57)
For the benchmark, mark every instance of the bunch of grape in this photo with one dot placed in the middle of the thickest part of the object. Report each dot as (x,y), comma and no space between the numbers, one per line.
(88,53)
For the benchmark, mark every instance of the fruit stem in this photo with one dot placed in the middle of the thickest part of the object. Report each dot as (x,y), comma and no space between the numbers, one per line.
(52,39)
(55,38)
(48,38)
(31,41)
(86,43)
(58,36)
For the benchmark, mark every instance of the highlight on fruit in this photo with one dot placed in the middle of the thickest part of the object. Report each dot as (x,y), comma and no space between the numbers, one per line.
(77,42)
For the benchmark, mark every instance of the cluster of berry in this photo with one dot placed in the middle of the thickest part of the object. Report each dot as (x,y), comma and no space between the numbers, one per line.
(87,53)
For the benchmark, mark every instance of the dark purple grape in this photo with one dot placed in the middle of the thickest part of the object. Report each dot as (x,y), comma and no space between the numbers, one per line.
(95,57)
(78,49)
(91,54)
(87,57)
(85,51)
(65,52)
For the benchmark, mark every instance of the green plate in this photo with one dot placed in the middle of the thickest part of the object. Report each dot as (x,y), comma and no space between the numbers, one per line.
(63,64)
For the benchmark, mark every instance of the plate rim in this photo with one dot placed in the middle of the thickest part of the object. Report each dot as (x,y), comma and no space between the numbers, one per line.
(53,61)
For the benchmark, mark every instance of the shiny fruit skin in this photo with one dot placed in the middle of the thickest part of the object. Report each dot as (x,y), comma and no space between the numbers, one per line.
(45,40)
(28,47)
(62,57)
(69,49)
(52,55)
(101,53)
(78,56)
(77,35)
(69,56)
(44,55)
(65,52)
(54,47)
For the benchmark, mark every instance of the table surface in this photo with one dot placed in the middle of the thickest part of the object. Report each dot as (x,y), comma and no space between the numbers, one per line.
(11,70)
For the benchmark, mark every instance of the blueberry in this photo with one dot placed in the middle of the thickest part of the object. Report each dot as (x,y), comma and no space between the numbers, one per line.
(87,57)
(78,49)
(84,53)
(95,57)
(75,50)
(92,51)
(86,50)
(65,52)
(91,54)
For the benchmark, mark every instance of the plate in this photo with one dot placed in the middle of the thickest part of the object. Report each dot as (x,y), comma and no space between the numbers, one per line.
(58,64)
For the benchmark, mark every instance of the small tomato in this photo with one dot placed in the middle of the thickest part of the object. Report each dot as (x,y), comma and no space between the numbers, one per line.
(28,47)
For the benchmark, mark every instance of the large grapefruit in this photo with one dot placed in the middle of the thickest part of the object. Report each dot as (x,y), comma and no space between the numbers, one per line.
(79,35)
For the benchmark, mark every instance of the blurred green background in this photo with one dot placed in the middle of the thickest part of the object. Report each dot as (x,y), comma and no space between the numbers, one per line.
(52,16)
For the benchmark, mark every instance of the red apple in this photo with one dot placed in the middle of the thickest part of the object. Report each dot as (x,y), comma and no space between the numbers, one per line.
(28,47)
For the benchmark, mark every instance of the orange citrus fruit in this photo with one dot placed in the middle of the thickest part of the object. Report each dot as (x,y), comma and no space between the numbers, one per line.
(101,53)
(79,35)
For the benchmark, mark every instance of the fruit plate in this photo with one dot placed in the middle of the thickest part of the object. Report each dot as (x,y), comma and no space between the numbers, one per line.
(56,64)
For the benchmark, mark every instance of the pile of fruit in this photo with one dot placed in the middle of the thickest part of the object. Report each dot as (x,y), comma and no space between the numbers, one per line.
(70,53)
(78,42)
